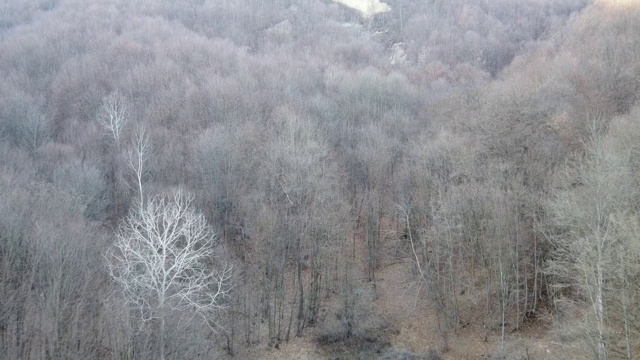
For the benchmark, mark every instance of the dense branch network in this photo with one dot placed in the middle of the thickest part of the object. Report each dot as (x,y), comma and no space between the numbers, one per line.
(163,258)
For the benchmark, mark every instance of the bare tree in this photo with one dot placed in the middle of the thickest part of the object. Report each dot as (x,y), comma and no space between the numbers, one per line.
(588,237)
(114,115)
(137,157)
(162,260)
(34,129)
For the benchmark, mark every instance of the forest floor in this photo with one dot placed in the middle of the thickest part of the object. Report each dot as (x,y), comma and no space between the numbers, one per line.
(413,321)
(415,330)
(405,323)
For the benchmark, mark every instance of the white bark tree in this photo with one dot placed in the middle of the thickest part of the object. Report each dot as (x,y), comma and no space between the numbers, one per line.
(114,115)
(137,157)
(164,260)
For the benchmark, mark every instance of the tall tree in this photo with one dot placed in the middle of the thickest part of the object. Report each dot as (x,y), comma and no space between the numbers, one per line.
(595,191)
(162,260)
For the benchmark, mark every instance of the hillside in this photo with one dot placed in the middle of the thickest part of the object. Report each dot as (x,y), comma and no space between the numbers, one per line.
(319,179)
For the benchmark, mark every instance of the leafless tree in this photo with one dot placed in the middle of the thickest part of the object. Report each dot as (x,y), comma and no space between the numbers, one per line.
(138,157)
(588,238)
(114,115)
(162,260)
(34,129)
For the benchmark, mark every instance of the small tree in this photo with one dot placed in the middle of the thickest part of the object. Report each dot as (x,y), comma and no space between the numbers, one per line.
(137,157)
(34,130)
(113,116)
(163,259)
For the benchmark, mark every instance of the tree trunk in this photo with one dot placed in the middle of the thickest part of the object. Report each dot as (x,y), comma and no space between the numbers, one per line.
(161,337)
(599,313)
(300,326)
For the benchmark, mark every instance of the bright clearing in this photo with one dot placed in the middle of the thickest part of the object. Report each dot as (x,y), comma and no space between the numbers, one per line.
(367,8)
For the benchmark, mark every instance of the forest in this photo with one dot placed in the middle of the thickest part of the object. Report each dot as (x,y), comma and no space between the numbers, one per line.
(301,179)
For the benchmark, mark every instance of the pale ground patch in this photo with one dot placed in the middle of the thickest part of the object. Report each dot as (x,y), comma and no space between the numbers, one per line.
(299,348)
(367,8)
(620,4)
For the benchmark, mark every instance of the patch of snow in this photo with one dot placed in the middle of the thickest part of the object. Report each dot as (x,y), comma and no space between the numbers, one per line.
(367,8)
